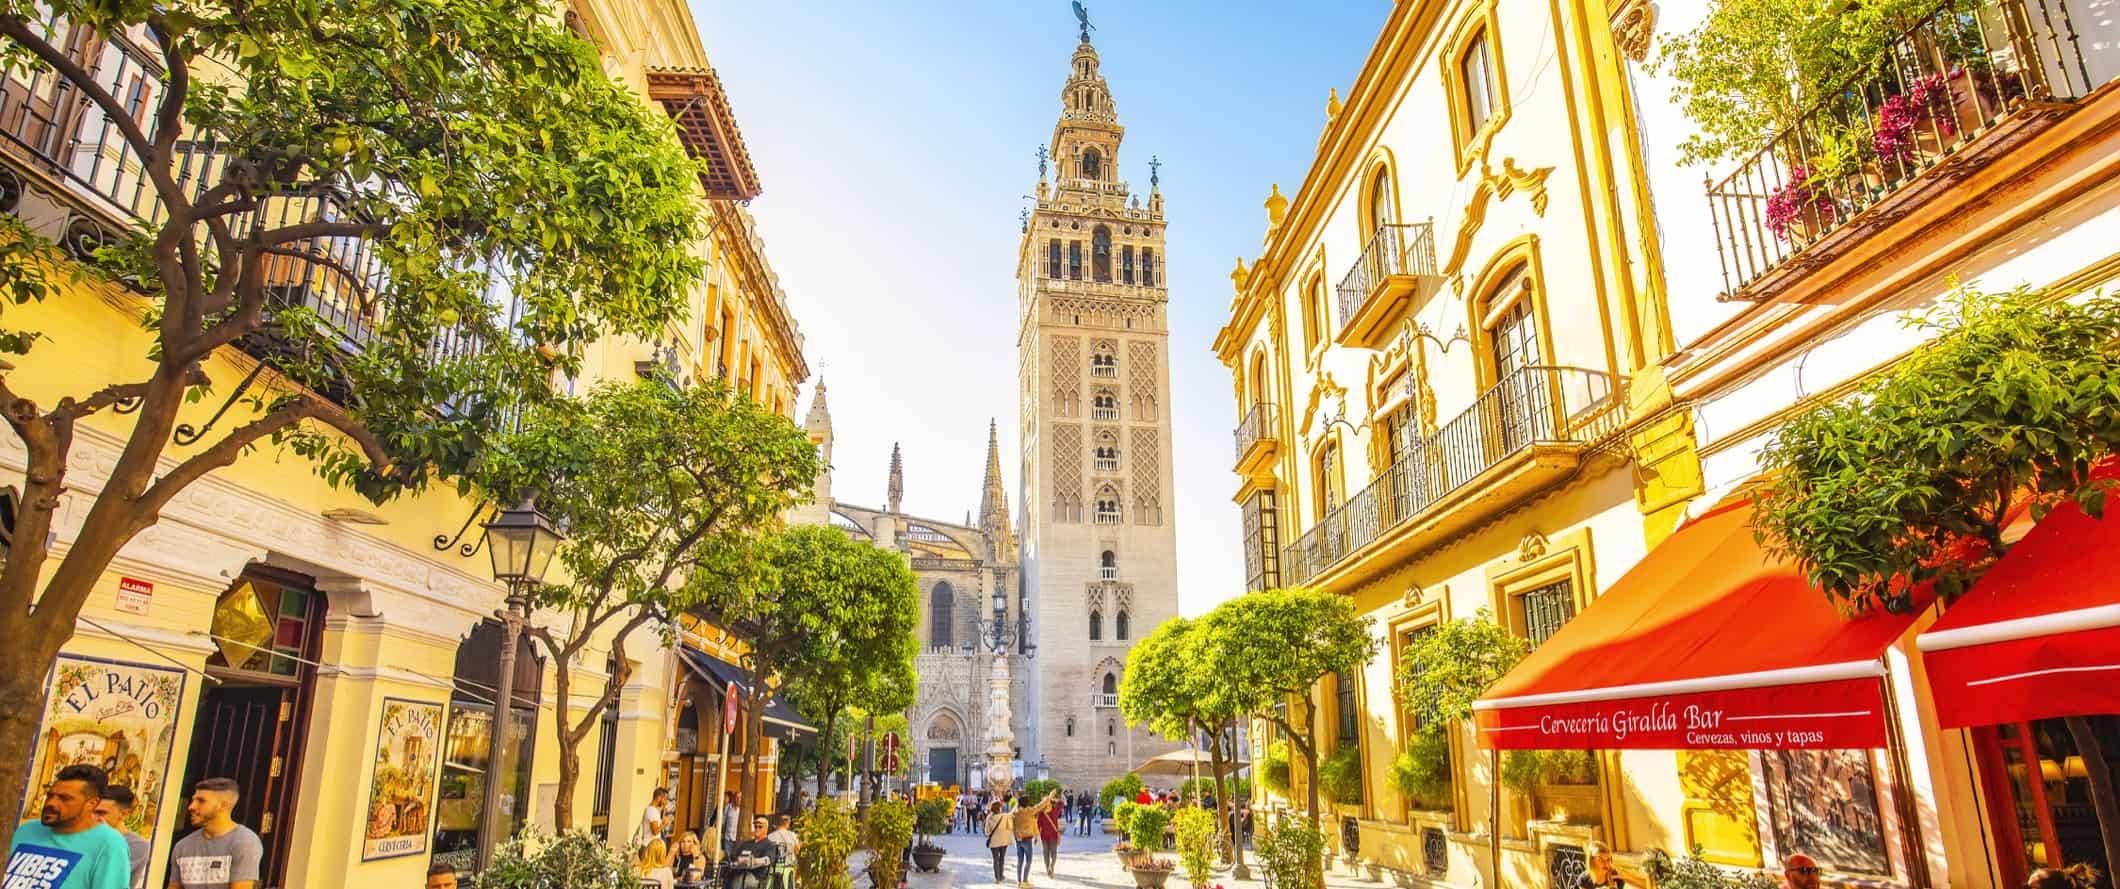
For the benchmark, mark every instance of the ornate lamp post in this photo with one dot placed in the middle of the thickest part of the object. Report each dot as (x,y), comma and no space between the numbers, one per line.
(521,542)
(999,635)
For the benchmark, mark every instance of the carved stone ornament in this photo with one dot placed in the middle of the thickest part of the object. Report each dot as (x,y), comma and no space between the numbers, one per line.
(1633,25)
(1498,187)
(1532,547)
(1324,389)
(1412,597)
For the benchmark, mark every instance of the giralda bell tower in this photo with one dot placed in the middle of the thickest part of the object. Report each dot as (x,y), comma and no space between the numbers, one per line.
(1099,548)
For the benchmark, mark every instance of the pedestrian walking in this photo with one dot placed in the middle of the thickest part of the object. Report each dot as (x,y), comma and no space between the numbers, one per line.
(999,833)
(221,854)
(1049,834)
(117,804)
(652,821)
(731,832)
(1025,821)
(68,845)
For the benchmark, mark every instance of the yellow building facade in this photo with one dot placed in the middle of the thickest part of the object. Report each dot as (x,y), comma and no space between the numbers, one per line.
(335,656)
(1502,341)
(1444,362)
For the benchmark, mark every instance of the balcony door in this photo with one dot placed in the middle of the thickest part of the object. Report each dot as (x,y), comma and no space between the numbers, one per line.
(1512,409)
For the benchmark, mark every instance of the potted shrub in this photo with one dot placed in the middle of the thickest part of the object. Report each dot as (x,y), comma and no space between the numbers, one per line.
(1145,830)
(1290,851)
(1421,771)
(1691,872)
(1340,776)
(1274,770)
(1123,819)
(1194,829)
(533,860)
(930,817)
(1121,789)
(1566,788)
(828,837)
(890,830)
(1800,210)
(1151,872)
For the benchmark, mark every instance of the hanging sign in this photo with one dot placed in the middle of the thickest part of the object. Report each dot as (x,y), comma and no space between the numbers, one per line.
(401,789)
(134,595)
(120,717)
(728,710)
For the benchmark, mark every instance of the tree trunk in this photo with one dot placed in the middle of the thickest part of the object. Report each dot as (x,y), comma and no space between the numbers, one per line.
(570,757)
(2094,767)
(21,705)
(1310,782)
(753,747)
(824,757)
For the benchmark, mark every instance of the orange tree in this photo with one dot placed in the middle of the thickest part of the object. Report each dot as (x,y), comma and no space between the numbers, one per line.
(516,203)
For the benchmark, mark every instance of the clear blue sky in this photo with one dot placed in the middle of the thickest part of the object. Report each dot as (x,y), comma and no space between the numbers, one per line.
(895,141)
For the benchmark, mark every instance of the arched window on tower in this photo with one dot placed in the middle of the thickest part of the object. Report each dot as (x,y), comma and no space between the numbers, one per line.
(1107,453)
(1096,626)
(1092,164)
(1107,505)
(942,608)
(1100,254)
(1111,728)
(1070,726)
(1052,258)
(1120,625)
(1126,264)
(1111,683)
(1108,565)
(1104,362)
(1148,266)
(1104,405)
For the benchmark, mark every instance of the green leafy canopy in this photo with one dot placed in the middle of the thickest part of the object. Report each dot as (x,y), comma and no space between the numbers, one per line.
(1913,478)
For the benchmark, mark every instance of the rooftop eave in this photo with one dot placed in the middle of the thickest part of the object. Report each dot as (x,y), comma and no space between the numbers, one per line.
(693,97)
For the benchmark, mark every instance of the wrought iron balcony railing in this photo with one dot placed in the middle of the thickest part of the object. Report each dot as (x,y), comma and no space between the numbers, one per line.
(1532,405)
(1261,423)
(68,172)
(1965,84)
(1400,252)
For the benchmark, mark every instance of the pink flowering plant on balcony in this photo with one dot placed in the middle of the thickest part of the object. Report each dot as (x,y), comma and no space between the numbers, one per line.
(1799,205)
(1900,118)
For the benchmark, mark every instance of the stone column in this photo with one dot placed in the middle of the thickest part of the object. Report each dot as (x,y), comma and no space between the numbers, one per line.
(999,775)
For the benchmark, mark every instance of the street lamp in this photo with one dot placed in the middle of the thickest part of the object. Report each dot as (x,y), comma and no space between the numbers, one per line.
(521,542)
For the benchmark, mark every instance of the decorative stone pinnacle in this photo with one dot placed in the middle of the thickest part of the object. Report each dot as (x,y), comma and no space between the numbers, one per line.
(1240,276)
(1276,207)
(1332,105)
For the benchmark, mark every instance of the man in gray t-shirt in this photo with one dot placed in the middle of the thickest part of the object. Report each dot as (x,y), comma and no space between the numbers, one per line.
(221,854)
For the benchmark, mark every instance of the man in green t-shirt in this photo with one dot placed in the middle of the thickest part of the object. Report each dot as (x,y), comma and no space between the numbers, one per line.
(68,847)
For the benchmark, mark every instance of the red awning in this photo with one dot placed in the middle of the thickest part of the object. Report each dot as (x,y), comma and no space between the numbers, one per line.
(2039,635)
(1707,643)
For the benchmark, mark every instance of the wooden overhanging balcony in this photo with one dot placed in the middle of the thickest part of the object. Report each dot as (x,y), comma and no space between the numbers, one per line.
(1258,438)
(1959,90)
(693,97)
(1524,434)
(1396,269)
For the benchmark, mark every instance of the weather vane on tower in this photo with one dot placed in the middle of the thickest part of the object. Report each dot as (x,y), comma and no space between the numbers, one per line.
(1155,171)
(1082,18)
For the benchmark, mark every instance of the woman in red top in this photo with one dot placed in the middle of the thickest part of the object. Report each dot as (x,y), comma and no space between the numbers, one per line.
(1049,836)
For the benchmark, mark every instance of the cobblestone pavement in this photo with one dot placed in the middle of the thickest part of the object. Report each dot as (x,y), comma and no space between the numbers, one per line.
(1084,862)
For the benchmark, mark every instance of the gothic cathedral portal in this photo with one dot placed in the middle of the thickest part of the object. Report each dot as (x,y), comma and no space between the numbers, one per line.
(1099,562)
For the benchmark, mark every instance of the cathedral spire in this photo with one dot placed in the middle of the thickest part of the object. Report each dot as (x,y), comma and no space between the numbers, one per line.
(819,419)
(993,499)
(897,489)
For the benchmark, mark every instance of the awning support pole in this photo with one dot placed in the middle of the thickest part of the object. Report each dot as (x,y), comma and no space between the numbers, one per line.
(1494,815)
(1910,835)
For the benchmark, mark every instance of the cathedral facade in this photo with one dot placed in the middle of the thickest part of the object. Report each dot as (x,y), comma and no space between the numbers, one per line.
(1099,550)
(961,568)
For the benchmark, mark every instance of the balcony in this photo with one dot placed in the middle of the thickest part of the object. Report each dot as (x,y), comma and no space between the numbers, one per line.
(1103,701)
(1972,81)
(68,173)
(1395,269)
(1527,432)
(1258,438)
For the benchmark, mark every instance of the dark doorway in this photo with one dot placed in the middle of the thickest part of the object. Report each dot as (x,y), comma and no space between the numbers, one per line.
(942,765)
(253,718)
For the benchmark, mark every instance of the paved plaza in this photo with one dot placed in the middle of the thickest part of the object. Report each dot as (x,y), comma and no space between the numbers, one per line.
(1084,861)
